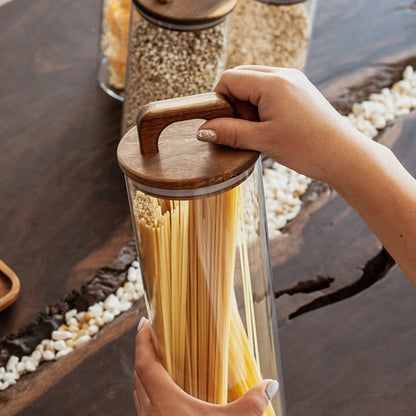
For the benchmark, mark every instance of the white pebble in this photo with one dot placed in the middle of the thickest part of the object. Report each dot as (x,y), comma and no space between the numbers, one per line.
(136,295)
(107,317)
(80,316)
(132,274)
(40,348)
(48,355)
(62,353)
(100,321)
(4,386)
(128,287)
(31,365)
(93,329)
(20,368)
(70,314)
(96,310)
(36,355)
(120,292)
(47,343)
(408,72)
(116,312)
(74,328)
(60,335)
(125,306)
(111,302)
(10,377)
(135,264)
(59,345)
(127,297)
(11,363)
(82,340)
(72,322)
(378,121)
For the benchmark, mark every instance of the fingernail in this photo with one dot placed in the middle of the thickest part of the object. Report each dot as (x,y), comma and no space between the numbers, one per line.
(141,323)
(206,135)
(272,388)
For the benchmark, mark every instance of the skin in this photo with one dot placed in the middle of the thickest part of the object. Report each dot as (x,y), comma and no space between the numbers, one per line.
(157,395)
(280,113)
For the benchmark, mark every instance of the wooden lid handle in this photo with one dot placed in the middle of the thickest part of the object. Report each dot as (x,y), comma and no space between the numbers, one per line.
(156,116)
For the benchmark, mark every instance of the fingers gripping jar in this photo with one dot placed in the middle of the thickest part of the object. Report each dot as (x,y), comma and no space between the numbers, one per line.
(200,226)
(176,48)
(280,31)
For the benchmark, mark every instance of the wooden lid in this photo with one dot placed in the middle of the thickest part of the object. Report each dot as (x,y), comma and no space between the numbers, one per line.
(185,14)
(171,162)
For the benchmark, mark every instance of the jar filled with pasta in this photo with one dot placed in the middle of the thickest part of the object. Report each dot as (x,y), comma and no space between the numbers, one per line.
(199,218)
(113,47)
(176,48)
(280,32)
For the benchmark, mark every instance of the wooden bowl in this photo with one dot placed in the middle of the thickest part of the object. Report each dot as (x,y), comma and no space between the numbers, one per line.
(9,286)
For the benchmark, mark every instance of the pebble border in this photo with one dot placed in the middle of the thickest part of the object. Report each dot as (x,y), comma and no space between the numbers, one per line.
(283,189)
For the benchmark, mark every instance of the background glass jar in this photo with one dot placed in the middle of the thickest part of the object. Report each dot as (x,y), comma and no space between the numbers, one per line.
(115,19)
(174,52)
(279,33)
(200,226)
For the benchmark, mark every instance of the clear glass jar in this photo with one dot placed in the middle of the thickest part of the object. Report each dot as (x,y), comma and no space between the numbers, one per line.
(113,48)
(169,58)
(200,227)
(279,33)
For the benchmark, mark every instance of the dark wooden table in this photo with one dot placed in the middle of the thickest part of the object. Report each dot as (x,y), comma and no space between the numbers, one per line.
(347,335)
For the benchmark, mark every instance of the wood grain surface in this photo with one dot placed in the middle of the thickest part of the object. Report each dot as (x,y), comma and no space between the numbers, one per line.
(64,213)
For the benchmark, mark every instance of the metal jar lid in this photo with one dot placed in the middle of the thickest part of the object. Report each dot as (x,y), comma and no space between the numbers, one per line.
(185,14)
(175,164)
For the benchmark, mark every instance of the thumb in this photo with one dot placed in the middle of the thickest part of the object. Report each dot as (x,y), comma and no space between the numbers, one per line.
(255,401)
(233,132)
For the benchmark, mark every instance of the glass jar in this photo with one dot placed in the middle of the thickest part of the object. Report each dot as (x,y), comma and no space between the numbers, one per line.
(200,226)
(280,31)
(176,48)
(113,47)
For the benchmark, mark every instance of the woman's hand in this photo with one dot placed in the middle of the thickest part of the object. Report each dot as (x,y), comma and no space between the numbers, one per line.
(157,395)
(281,113)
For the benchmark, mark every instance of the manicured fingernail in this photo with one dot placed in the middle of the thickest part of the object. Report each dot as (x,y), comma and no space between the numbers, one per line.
(272,388)
(206,135)
(141,323)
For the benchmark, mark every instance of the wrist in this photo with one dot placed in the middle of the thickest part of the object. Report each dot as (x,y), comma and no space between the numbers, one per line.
(357,164)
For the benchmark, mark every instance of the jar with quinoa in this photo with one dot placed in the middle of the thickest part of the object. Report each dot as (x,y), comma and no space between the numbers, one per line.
(279,33)
(176,48)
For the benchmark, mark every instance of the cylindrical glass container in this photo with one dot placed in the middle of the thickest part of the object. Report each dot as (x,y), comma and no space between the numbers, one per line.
(200,226)
(176,48)
(280,31)
(113,47)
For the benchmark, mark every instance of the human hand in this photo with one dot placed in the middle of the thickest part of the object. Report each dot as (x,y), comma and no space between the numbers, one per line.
(281,113)
(157,395)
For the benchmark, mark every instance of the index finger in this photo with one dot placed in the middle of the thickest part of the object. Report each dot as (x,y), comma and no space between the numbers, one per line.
(247,82)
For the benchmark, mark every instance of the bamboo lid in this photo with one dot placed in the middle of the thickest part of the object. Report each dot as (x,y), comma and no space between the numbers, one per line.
(171,162)
(185,14)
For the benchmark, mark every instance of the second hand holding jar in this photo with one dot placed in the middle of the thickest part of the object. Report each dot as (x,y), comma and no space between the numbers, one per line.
(200,226)
(176,48)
